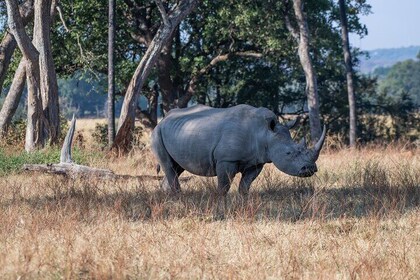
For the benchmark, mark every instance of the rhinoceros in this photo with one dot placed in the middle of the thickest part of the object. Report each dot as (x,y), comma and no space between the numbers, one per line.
(223,142)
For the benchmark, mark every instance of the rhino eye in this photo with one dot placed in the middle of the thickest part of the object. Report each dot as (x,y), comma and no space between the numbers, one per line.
(272,125)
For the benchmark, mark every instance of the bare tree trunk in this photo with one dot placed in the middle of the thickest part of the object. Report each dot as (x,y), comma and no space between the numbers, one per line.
(48,78)
(11,102)
(153,107)
(111,76)
(167,87)
(170,21)
(349,73)
(8,44)
(7,48)
(302,37)
(36,120)
(34,131)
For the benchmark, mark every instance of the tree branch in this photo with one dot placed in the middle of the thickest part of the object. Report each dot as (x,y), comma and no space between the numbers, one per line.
(17,28)
(163,13)
(293,30)
(60,14)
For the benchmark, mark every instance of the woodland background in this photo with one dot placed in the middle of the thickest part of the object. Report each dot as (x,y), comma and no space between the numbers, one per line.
(221,54)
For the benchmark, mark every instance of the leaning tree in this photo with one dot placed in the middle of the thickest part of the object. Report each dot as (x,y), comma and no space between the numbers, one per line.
(171,18)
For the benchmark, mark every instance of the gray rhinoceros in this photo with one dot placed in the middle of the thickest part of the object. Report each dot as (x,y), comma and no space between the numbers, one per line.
(222,142)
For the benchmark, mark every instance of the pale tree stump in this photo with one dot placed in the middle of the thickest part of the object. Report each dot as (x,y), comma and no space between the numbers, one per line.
(68,168)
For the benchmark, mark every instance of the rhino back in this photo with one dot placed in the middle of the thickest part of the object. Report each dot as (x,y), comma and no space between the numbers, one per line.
(200,136)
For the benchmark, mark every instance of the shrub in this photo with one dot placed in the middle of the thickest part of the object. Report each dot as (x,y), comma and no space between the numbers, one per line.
(17,131)
(100,136)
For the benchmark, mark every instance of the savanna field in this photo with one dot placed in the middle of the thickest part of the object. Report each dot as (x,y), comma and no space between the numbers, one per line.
(357,218)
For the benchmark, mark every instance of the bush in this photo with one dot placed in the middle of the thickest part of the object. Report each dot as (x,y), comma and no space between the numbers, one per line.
(17,131)
(16,134)
(100,136)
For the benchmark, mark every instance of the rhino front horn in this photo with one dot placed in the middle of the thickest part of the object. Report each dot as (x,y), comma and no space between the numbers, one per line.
(318,145)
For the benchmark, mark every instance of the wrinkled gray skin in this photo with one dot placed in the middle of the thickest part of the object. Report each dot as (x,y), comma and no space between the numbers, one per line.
(222,142)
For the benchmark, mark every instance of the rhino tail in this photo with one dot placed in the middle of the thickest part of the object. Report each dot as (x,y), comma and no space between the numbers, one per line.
(157,168)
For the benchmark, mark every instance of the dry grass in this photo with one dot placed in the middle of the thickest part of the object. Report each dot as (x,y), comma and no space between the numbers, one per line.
(358,218)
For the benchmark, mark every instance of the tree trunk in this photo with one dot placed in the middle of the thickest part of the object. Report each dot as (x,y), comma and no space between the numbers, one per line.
(48,78)
(170,21)
(167,87)
(11,102)
(7,48)
(34,131)
(349,73)
(153,107)
(302,37)
(111,76)
(8,44)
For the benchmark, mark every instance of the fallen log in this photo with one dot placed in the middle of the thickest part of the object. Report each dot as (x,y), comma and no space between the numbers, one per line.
(73,170)
(68,168)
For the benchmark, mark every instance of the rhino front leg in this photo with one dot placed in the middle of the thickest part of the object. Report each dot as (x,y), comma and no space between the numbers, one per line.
(248,176)
(225,171)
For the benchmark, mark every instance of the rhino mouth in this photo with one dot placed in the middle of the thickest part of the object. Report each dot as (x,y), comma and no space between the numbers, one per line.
(308,170)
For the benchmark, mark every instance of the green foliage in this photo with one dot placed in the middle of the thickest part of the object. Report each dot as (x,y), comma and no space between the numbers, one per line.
(393,106)
(402,79)
(84,45)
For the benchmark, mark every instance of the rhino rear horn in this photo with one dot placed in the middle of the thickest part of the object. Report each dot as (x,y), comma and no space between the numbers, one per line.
(303,142)
(291,124)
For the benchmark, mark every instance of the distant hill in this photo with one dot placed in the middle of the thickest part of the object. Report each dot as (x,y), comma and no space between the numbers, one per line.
(386,57)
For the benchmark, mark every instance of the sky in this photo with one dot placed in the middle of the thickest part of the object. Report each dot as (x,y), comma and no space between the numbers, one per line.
(392,24)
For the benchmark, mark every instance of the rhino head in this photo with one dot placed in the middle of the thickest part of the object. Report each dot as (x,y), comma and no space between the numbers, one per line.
(292,158)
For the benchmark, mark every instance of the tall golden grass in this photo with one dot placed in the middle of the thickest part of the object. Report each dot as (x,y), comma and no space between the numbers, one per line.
(358,218)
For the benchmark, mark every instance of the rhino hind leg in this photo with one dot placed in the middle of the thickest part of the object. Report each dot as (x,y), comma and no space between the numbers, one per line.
(171,180)
(171,168)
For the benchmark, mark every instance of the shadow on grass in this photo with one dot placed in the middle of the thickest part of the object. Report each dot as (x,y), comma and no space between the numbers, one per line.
(290,203)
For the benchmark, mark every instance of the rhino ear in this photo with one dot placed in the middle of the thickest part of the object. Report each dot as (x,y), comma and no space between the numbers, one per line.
(272,124)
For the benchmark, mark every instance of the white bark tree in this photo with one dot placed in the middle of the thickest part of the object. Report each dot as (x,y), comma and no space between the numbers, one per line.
(7,48)
(44,10)
(111,73)
(301,35)
(35,117)
(12,99)
(8,43)
(349,73)
(42,117)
